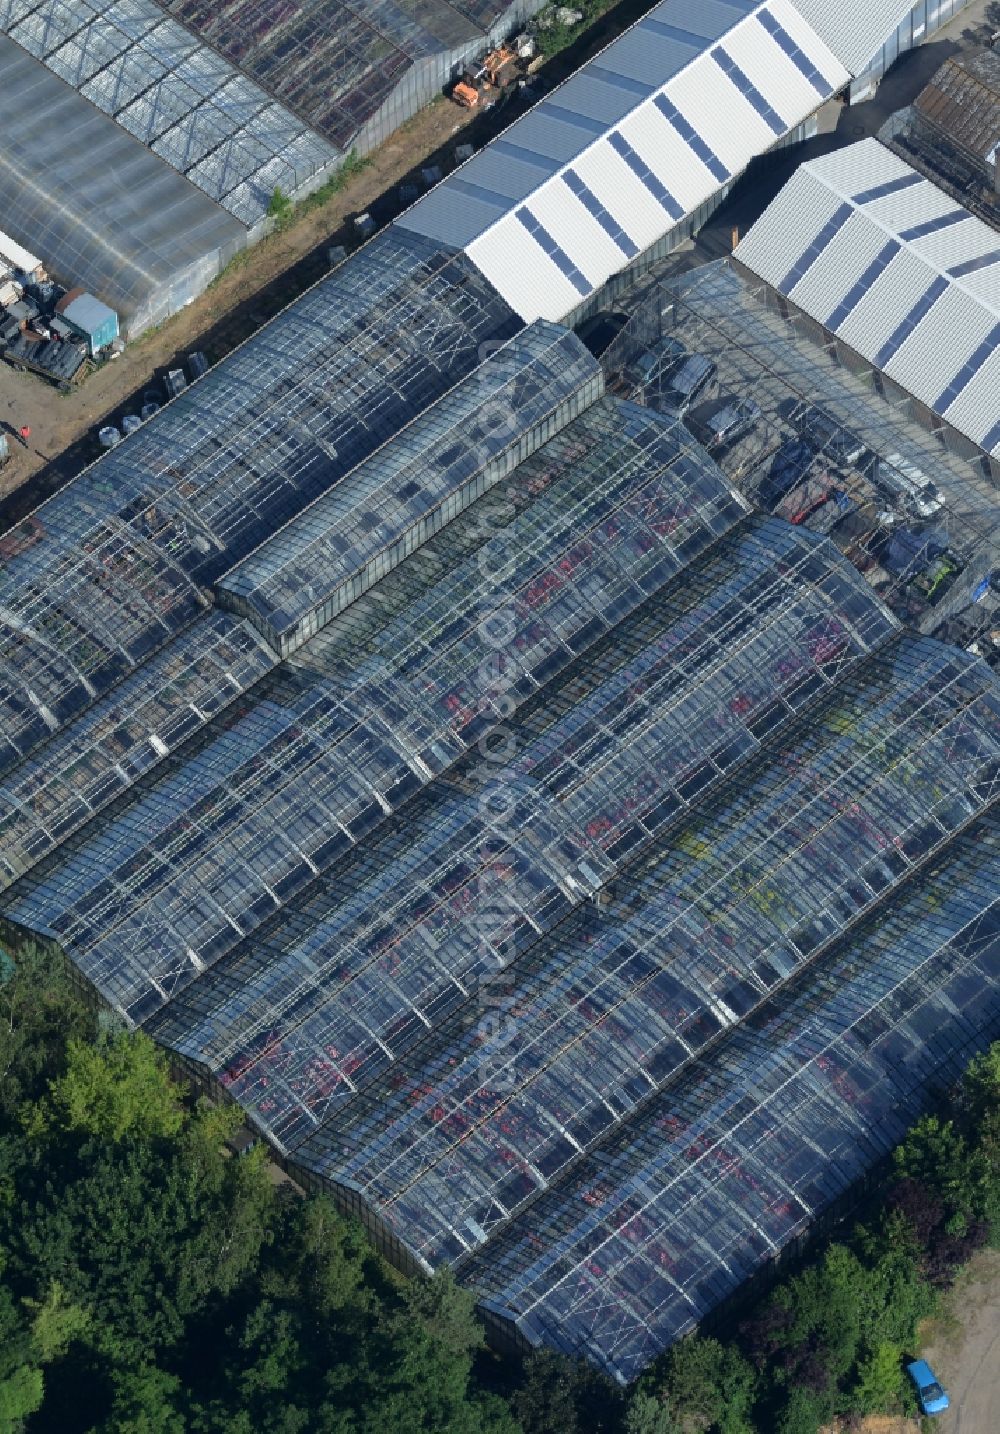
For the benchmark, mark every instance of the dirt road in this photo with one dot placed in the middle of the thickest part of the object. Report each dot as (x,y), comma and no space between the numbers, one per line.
(963,1349)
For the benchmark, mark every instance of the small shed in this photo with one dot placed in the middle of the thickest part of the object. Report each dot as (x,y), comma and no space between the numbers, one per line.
(89,318)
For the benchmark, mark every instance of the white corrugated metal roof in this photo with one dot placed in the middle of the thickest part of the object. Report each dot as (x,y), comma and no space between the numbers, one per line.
(854,33)
(637,139)
(898,270)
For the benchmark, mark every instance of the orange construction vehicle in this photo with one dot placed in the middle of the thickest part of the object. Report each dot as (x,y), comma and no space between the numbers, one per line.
(498,69)
(465,93)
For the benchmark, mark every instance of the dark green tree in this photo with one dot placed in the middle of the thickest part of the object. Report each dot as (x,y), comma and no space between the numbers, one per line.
(546,1401)
(40,1012)
(709,1385)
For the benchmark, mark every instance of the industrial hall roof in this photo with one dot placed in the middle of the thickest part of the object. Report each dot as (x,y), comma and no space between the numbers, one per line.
(899,271)
(602,1021)
(620,153)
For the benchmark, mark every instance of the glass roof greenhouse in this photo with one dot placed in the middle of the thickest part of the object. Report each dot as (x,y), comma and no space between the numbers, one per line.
(130,545)
(579,875)
(352,536)
(339,765)
(335,64)
(835,447)
(178,98)
(736,1156)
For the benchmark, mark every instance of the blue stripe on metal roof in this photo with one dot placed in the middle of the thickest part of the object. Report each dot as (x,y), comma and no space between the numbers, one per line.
(620,82)
(992,439)
(862,284)
(905,328)
(526,156)
(749,90)
(478,191)
(672,32)
(931,226)
(969,369)
(593,205)
(571,117)
(972,266)
(642,171)
(809,256)
(892,186)
(691,138)
(798,57)
(554,251)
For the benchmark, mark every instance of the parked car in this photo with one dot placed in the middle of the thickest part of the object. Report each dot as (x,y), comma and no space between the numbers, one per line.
(907,552)
(723,421)
(683,381)
(932,1398)
(824,434)
(818,504)
(789,467)
(903,482)
(660,356)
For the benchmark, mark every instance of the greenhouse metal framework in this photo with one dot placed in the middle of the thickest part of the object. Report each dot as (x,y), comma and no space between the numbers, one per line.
(950,131)
(131,545)
(175,96)
(582,876)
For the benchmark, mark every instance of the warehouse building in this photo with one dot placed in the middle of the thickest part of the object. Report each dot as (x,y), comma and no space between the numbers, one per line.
(629,156)
(893,267)
(180,121)
(916,26)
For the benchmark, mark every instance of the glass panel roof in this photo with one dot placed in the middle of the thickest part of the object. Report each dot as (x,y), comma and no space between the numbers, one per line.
(693,942)
(513,402)
(733,1159)
(177,97)
(627,782)
(98,207)
(917,513)
(129,545)
(593,897)
(287,783)
(124,735)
